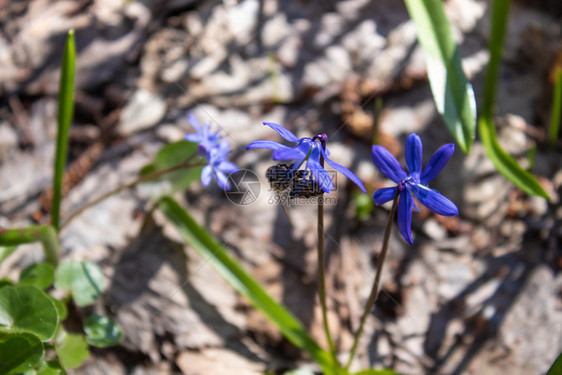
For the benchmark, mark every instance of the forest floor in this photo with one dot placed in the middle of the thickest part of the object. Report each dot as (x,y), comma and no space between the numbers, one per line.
(480,293)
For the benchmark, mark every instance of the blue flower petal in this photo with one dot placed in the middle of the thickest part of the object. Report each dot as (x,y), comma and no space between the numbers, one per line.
(384,195)
(405,207)
(222,180)
(343,170)
(434,200)
(193,137)
(387,164)
(227,167)
(282,132)
(194,122)
(206,175)
(320,174)
(298,152)
(267,144)
(413,153)
(439,159)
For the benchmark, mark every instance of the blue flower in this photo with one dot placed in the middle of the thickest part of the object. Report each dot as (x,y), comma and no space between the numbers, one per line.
(307,150)
(207,140)
(414,183)
(215,150)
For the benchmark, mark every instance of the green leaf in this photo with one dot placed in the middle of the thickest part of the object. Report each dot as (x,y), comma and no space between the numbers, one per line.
(62,311)
(452,93)
(65,113)
(299,371)
(6,251)
(26,309)
(376,372)
(71,349)
(39,275)
(243,283)
(556,113)
(5,282)
(83,279)
(19,353)
(504,163)
(102,332)
(34,233)
(171,155)
(50,368)
(556,368)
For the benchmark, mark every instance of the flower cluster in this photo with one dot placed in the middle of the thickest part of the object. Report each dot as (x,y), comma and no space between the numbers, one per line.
(414,183)
(215,150)
(311,150)
(307,150)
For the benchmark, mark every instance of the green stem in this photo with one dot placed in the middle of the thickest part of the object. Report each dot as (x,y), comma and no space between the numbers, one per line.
(322,275)
(375,289)
(118,189)
(45,234)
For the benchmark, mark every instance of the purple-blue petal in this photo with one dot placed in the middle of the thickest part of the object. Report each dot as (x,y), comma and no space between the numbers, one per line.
(222,180)
(387,164)
(298,152)
(227,167)
(206,175)
(194,122)
(320,174)
(434,200)
(414,154)
(405,207)
(438,160)
(343,170)
(193,137)
(266,144)
(384,195)
(282,132)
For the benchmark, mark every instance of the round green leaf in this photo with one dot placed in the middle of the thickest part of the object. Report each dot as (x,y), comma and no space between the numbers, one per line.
(39,275)
(83,279)
(61,308)
(102,331)
(19,353)
(25,308)
(50,368)
(71,349)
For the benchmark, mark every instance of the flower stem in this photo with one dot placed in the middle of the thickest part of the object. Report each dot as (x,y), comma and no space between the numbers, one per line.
(375,289)
(129,185)
(321,268)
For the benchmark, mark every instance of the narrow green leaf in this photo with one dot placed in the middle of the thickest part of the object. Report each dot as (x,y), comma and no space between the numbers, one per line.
(102,331)
(556,107)
(6,251)
(504,163)
(26,309)
(65,113)
(71,349)
(556,368)
(39,275)
(35,233)
(452,93)
(243,283)
(19,353)
(83,279)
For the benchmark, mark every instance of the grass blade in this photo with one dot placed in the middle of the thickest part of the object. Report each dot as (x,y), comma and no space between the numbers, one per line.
(45,234)
(452,93)
(556,107)
(504,163)
(65,113)
(556,368)
(243,283)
